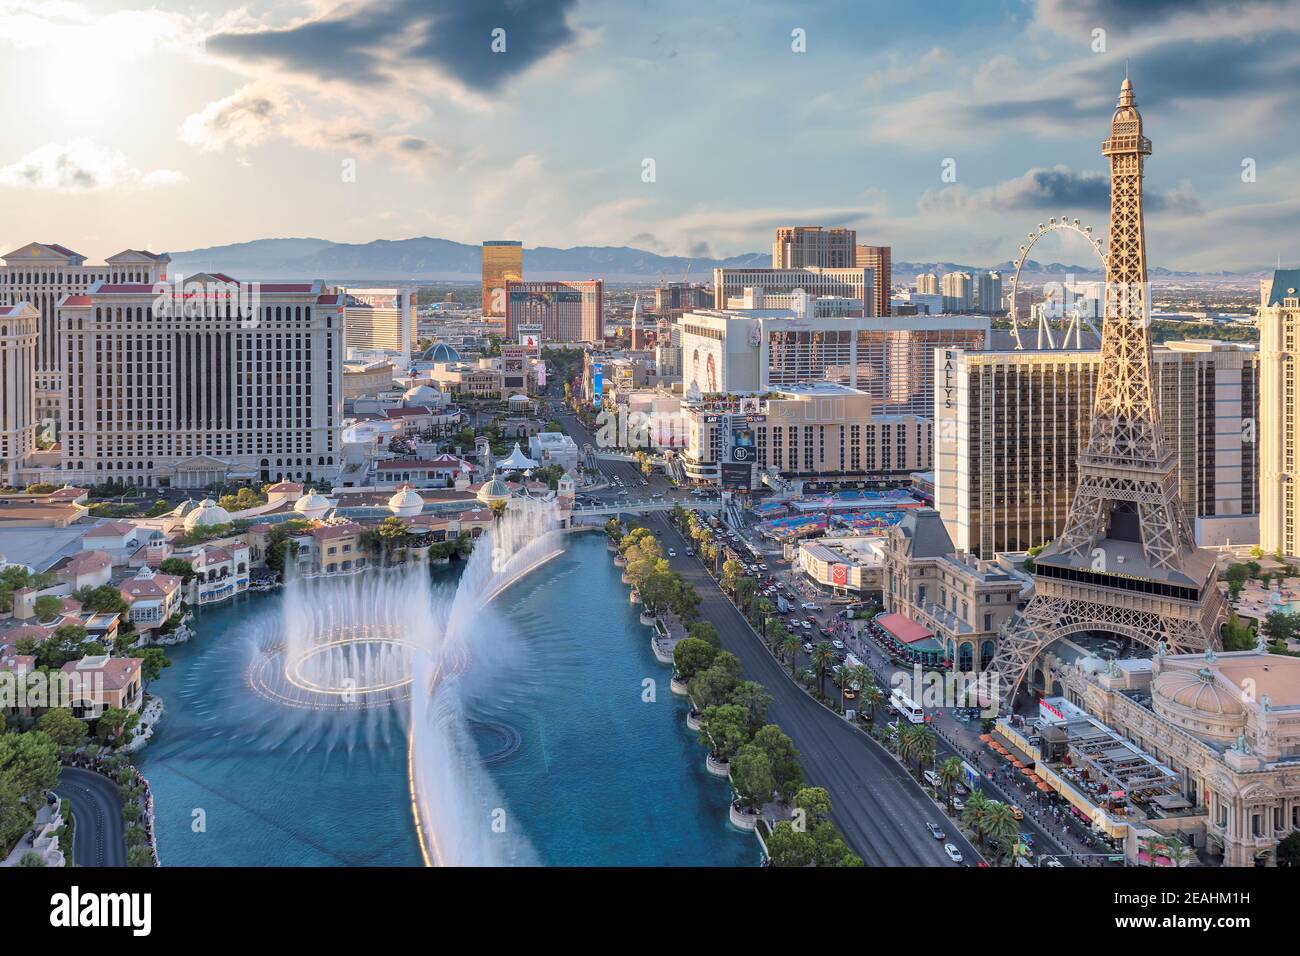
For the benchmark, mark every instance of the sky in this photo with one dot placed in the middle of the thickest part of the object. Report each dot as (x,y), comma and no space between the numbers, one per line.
(945,129)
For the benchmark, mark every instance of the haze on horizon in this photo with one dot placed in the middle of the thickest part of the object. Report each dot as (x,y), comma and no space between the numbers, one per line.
(183,126)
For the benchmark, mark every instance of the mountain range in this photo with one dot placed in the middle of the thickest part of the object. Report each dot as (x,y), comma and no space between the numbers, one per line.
(425,258)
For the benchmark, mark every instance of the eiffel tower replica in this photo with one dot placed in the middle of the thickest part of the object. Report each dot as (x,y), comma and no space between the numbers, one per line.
(1126,562)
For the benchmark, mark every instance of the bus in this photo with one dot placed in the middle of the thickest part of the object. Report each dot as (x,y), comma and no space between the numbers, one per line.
(906,707)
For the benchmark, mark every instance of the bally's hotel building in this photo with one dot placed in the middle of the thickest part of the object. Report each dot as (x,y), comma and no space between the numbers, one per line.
(1009,428)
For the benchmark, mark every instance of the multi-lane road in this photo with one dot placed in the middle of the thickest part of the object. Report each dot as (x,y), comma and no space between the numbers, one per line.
(98,833)
(879,808)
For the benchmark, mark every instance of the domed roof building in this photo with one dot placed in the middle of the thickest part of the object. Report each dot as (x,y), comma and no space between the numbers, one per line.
(312,505)
(440,352)
(206,515)
(421,395)
(406,503)
(494,490)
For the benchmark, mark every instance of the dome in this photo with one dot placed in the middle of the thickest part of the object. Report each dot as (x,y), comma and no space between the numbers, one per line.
(421,395)
(313,505)
(440,352)
(494,490)
(406,503)
(206,515)
(1196,691)
(184,508)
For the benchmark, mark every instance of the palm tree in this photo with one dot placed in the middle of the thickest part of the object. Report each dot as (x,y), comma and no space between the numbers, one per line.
(975,813)
(917,742)
(823,656)
(950,775)
(872,696)
(1001,826)
(843,677)
(790,645)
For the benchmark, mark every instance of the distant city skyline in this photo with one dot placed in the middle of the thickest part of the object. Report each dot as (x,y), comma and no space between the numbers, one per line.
(179,128)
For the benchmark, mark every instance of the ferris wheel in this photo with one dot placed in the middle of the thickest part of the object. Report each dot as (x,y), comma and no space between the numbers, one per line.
(1068,327)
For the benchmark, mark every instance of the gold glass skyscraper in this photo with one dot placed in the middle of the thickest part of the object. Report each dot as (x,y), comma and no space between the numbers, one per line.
(503,260)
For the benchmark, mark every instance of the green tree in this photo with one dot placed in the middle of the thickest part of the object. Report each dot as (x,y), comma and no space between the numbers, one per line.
(714,685)
(754,698)
(1288,850)
(1237,635)
(917,742)
(787,774)
(67,643)
(732,574)
(950,774)
(1001,826)
(975,812)
(724,730)
(815,802)
(787,846)
(153,661)
(790,646)
(704,631)
(1281,626)
(46,607)
(823,658)
(751,775)
(115,725)
(178,567)
(869,695)
(62,727)
(692,655)
(104,599)
(830,848)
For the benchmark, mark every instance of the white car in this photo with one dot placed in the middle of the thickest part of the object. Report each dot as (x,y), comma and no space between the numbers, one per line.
(672,553)
(838,645)
(954,854)
(1052,862)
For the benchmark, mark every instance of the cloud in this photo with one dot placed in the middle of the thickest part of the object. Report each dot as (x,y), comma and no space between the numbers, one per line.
(1071,16)
(259,113)
(80,165)
(909,70)
(372,44)
(1049,189)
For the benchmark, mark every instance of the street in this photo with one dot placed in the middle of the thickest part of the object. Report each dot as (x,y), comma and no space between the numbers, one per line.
(880,809)
(97,838)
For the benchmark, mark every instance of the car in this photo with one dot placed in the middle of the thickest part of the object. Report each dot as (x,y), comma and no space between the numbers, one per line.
(780,584)
(805,625)
(1052,862)
(931,778)
(954,854)
(806,606)
(690,552)
(762,566)
(838,645)
(807,646)
(672,553)
(813,607)
(958,805)
(850,694)
(936,831)
(1017,812)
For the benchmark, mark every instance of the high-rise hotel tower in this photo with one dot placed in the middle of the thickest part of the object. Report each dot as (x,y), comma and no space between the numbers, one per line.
(215,382)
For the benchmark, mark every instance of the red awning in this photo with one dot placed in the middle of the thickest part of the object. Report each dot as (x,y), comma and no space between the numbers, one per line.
(903,628)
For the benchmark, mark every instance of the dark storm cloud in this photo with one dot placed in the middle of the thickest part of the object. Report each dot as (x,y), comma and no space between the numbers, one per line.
(1054,189)
(362,44)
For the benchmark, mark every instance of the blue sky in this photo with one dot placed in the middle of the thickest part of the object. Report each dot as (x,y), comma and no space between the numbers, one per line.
(184,125)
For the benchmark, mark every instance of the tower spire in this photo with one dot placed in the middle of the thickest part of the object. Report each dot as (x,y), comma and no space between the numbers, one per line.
(1126,561)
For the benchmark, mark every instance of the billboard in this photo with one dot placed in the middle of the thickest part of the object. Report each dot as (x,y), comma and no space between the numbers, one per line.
(742,443)
(532,341)
(734,476)
(597,382)
(840,575)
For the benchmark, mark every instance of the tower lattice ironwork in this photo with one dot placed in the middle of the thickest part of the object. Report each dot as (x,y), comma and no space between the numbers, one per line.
(1126,561)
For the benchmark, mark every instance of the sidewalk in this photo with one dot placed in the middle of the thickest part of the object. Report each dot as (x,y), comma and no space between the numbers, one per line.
(963,741)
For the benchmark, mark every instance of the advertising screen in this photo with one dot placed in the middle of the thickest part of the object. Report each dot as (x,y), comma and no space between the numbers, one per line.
(735,477)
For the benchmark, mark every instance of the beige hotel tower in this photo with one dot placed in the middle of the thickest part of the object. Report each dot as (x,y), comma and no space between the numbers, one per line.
(1279,321)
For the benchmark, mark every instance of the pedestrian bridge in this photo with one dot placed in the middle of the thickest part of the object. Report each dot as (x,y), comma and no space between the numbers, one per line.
(642,506)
